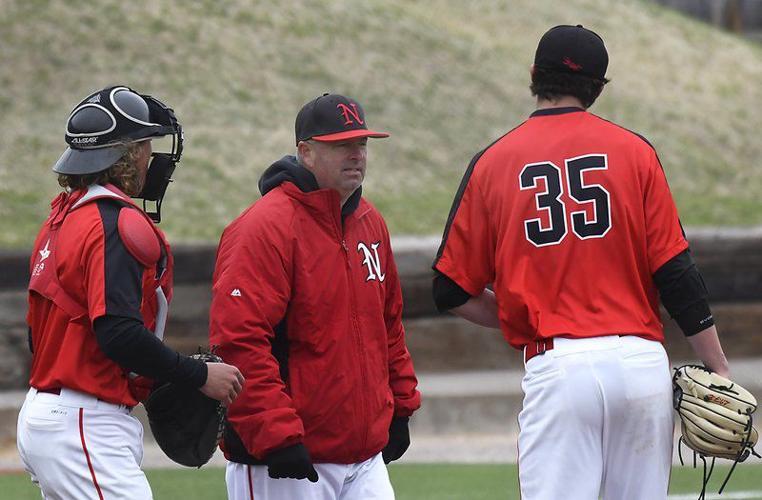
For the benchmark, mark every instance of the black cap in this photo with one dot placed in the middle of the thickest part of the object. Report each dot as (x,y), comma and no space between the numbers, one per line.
(572,49)
(103,122)
(332,117)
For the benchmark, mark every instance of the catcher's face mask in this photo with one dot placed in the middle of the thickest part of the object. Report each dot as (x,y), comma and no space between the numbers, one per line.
(100,126)
(162,164)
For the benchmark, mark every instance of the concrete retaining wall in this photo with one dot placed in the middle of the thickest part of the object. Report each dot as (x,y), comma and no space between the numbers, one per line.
(730,260)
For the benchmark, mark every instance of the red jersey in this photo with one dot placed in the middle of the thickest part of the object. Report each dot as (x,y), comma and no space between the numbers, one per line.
(568,216)
(81,271)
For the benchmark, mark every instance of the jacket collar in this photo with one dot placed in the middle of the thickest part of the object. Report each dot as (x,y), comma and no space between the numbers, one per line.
(288,170)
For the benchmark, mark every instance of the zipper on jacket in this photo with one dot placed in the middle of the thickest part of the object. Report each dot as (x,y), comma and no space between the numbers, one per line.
(341,229)
(362,356)
(358,339)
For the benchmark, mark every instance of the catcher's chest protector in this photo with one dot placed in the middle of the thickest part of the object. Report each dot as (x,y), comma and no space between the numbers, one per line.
(44,278)
(139,235)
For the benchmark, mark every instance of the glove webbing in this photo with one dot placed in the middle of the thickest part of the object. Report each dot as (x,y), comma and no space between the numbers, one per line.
(684,416)
(705,481)
(683,411)
(685,406)
(696,419)
(221,410)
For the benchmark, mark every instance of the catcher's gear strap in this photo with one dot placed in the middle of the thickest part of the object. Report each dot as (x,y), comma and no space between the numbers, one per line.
(684,294)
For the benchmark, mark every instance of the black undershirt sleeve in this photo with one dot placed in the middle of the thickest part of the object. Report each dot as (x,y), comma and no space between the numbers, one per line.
(684,293)
(447,293)
(120,332)
(130,344)
(681,288)
(679,281)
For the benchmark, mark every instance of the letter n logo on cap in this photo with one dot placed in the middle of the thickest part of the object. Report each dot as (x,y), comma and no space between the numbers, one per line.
(351,115)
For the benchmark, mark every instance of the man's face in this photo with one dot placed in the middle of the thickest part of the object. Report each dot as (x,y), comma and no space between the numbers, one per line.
(338,165)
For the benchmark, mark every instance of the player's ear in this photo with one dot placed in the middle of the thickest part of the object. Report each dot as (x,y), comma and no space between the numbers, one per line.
(531,70)
(306,153)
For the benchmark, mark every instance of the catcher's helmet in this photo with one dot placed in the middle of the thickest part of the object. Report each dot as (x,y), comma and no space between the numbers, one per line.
(104,122)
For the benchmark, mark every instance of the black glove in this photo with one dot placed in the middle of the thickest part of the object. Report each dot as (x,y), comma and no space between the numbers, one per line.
(399,439)
(291,462)
(186,424)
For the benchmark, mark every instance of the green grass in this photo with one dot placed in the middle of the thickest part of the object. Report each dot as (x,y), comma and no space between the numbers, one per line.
(411,482)
(445,77)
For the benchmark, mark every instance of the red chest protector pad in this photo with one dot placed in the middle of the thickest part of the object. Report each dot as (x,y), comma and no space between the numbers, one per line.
(139,235)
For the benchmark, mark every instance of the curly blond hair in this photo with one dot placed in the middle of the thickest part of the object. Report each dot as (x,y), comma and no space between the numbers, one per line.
(123,174)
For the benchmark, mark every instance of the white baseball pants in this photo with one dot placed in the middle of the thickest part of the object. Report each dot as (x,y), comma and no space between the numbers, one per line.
(368,480)
(77,447)
(596,421)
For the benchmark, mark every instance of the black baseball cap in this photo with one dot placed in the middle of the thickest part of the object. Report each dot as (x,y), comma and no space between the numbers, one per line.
(332,117)
(572,49)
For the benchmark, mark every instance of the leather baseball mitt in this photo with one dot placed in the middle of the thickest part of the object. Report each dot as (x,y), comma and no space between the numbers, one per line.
(715,416)
(186,424)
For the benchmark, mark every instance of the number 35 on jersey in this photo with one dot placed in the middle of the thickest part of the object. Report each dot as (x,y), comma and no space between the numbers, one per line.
(551,200)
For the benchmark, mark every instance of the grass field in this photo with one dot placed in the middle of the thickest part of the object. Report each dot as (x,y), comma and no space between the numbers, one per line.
(445,77)
(413,482)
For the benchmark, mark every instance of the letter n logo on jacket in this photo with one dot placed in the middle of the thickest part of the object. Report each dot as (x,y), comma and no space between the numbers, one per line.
(371,260)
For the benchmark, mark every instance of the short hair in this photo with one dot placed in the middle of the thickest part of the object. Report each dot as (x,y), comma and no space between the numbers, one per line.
(123,174)
(552,85)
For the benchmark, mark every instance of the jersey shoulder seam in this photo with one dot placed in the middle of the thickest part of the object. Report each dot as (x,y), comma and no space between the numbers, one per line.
(478,155)
(636,134)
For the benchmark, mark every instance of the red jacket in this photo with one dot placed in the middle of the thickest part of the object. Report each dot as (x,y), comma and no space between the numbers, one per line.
(309,309)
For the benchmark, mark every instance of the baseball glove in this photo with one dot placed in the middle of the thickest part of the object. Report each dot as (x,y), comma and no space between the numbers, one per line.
(186,424)
(715,415)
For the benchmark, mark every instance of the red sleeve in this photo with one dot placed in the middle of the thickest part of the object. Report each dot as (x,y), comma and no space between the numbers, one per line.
(250,293)
(466,254)
(664,234)
(402,377)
